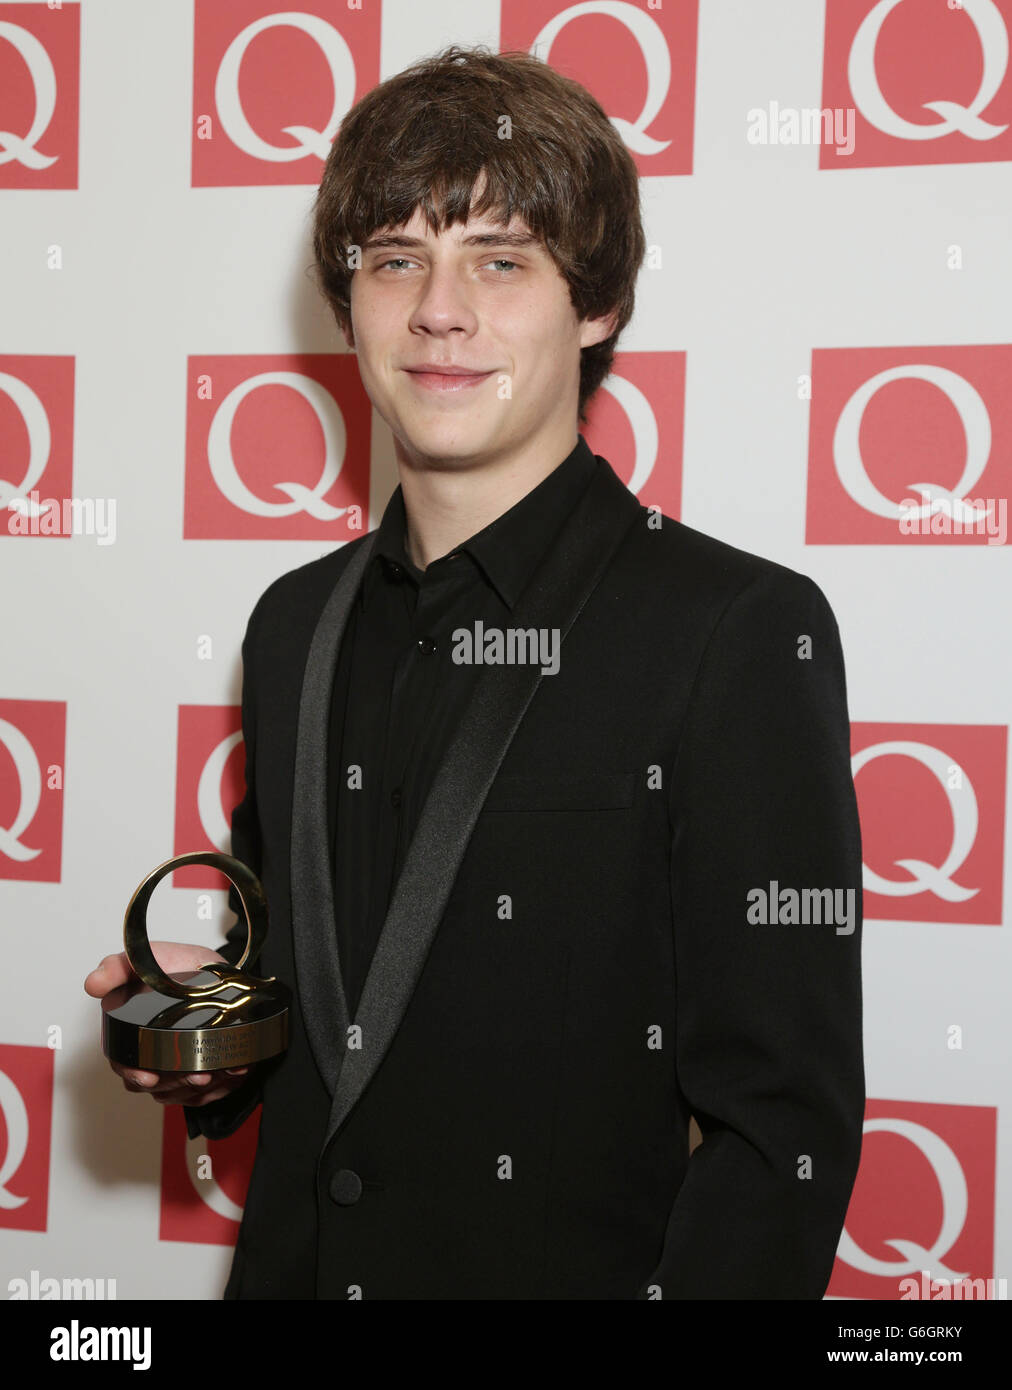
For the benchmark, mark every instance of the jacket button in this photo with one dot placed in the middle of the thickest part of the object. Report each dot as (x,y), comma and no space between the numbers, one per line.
(345,1187)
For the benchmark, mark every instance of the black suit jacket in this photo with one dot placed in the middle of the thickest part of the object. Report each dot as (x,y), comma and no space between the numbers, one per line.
(567,971)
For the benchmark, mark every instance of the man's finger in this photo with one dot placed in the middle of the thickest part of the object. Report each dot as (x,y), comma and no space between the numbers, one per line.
(110,972)
(136,1080)
(183,1095)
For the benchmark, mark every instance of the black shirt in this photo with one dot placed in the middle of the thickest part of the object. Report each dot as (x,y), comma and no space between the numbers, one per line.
(398,695)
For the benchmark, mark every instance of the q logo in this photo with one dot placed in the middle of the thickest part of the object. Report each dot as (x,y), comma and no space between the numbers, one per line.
(26,1109)
(204,1181)
(277,449)
(32,734)
(600,43)
(210,783)
(270,90)
(931,799)
(924,1199)
(636,421)
(40,63)
(928,82)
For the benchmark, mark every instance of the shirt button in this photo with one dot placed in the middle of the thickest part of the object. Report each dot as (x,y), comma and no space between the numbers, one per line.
(395,797)
(426,645)
(396,570)
(345,1187)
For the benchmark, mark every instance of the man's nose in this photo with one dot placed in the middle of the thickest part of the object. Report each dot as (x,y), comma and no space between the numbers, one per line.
(444,303)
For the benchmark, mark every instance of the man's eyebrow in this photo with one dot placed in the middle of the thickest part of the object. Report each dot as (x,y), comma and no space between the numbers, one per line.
(515,239)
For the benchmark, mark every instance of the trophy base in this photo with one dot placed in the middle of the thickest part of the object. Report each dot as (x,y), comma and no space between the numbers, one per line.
(158,1032)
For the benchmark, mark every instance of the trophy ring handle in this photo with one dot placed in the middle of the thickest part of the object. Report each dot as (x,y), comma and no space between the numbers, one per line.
(135,930)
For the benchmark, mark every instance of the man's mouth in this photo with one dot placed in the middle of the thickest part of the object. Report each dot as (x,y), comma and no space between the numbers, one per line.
(439,377)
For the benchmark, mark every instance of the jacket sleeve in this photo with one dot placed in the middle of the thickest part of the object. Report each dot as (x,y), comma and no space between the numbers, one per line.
(768,1045)
(223,1117)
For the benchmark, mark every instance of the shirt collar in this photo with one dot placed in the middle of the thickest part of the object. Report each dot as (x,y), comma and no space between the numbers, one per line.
(510,548)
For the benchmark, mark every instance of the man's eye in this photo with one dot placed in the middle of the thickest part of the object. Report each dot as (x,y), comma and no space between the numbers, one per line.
(403,260)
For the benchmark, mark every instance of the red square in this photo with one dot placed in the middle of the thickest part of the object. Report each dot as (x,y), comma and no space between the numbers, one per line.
(271,86)
(640,64)
(26,1120)
(927,81)
(635,421)
(32,741)
(210,782)
(923,1201)
(36,443)
(204,1181)
(277,448)
(931,799)
(40,62)
(910,446)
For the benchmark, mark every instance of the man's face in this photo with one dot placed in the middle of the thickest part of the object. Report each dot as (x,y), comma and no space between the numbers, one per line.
(476,297)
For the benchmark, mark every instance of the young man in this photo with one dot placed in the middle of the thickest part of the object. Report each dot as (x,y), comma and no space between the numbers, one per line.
(522,765)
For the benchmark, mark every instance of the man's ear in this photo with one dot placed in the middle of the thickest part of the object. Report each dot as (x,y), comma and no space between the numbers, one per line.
(596,330)
(349,336)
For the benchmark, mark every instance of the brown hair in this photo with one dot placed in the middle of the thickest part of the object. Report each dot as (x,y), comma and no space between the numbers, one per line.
(423,139)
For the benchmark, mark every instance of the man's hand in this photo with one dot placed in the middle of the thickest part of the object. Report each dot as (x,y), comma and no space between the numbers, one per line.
(168,1088)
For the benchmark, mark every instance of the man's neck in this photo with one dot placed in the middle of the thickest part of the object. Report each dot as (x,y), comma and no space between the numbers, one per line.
(445,506)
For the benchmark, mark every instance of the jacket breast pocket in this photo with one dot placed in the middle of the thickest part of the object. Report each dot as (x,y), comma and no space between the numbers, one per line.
(583,791)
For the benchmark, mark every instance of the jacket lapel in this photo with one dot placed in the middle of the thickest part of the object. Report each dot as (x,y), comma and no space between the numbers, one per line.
(317,964)
(554,598)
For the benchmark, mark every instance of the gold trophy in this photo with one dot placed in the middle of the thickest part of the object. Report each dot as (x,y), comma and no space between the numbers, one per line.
(190,1021)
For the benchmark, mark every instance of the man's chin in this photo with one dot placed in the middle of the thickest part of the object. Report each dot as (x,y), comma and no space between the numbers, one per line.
(446,442)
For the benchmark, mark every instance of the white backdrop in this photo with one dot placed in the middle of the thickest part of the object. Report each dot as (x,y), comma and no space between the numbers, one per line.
(131,270)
